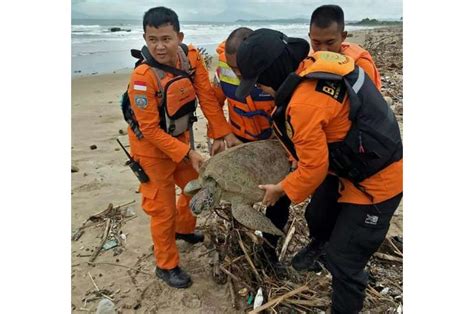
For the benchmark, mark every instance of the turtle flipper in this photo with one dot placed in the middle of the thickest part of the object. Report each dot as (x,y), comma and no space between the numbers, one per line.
(254,219)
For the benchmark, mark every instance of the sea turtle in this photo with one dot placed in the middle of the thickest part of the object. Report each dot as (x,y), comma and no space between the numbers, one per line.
(234,176)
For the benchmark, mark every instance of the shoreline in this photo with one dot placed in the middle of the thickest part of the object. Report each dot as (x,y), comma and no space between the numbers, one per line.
(356,36)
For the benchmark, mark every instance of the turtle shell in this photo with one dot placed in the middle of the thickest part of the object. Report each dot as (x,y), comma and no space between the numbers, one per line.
(242,168)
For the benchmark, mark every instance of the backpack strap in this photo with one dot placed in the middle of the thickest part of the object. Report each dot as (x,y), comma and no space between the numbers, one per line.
(286,89)
(183,58)
(354,84)
(155,64)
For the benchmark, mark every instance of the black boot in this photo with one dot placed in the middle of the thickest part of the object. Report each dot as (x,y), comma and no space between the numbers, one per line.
(175,277)
(192,238)
(307,258)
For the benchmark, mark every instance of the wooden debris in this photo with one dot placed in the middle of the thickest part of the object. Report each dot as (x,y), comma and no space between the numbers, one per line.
(387,257)
(232,293)
(288,238)
(277,300)
(249,260)
(237,279)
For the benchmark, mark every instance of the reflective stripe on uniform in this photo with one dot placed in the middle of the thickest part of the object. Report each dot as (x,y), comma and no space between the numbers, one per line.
(360,80)
(226,74)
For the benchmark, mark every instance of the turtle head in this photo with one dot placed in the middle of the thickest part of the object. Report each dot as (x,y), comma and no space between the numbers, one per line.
(192,187)
(206,198)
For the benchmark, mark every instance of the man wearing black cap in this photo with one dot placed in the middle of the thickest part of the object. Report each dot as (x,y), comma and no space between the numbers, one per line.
(250,120)
(312,116)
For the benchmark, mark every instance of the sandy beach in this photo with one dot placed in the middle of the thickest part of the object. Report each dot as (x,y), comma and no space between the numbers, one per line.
(100,177)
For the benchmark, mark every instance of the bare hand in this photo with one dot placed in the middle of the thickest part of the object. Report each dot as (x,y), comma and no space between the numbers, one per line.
(231,140)
(196,159)
(217,146)
(273,192)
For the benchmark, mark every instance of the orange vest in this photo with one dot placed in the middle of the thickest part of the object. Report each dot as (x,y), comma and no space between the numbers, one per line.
(363,59)
(144,92)
(249,119)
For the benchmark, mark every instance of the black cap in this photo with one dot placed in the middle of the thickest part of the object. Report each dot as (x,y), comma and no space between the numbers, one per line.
(258,51)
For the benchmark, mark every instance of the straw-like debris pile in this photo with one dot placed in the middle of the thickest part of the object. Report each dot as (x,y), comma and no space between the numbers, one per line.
(239,262)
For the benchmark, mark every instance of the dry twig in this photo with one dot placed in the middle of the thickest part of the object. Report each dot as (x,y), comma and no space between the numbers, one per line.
(277,300)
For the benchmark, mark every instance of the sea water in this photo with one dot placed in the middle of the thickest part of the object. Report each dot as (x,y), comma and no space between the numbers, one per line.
(96,49)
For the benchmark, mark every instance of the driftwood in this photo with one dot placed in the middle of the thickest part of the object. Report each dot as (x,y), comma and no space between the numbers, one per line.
(232,293)
(288,238)
(387,257)
(249,260)
(96,219)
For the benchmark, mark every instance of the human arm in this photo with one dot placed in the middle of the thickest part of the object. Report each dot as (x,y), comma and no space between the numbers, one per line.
(218,126)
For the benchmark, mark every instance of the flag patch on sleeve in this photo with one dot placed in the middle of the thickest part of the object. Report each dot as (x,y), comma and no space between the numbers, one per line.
(139,85)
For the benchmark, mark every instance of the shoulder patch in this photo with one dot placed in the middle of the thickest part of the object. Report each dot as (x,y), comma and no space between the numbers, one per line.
(334,89)
(141,101)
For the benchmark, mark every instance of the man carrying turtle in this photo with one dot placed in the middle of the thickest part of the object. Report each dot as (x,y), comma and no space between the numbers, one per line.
(250,120)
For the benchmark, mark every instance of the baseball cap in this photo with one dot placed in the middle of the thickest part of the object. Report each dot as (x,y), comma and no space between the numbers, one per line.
(258,52)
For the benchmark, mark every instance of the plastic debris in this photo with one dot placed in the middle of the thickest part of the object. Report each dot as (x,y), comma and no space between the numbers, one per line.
(105,307)
(243,292)
(127,212)
(250,299)
(110,244)
(258,299)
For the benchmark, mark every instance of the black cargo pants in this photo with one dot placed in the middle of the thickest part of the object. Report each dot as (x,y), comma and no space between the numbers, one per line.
(353,233)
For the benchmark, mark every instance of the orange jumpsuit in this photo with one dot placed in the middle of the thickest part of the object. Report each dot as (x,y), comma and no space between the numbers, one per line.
(162,157)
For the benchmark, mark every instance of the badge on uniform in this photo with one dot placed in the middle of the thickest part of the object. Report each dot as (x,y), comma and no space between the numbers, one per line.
(141,101)
(371,219)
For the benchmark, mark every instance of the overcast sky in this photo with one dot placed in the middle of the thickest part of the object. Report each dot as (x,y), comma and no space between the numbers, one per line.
(235,9)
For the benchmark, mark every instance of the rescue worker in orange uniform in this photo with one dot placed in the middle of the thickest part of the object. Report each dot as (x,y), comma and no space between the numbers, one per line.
(167,159)
(312,119)
(250,120)
(326,33)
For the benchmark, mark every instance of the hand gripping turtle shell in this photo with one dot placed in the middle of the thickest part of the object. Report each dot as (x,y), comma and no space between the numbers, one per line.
(234,176)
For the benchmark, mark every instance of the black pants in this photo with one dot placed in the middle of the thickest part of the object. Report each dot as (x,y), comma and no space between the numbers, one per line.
(322,210)
(353,233)
(278,214)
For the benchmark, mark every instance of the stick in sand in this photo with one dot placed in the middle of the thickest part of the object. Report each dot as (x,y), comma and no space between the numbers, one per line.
(287,241)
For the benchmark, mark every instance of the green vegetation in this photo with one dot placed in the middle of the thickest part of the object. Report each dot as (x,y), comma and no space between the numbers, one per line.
(374,22)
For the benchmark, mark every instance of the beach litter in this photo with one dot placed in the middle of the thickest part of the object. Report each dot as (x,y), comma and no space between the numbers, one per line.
(237,261)
(112,218)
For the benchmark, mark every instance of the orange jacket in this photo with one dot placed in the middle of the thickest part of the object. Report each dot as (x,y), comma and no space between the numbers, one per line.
(314,120)
(250,119)
(363,59)
(156,142)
